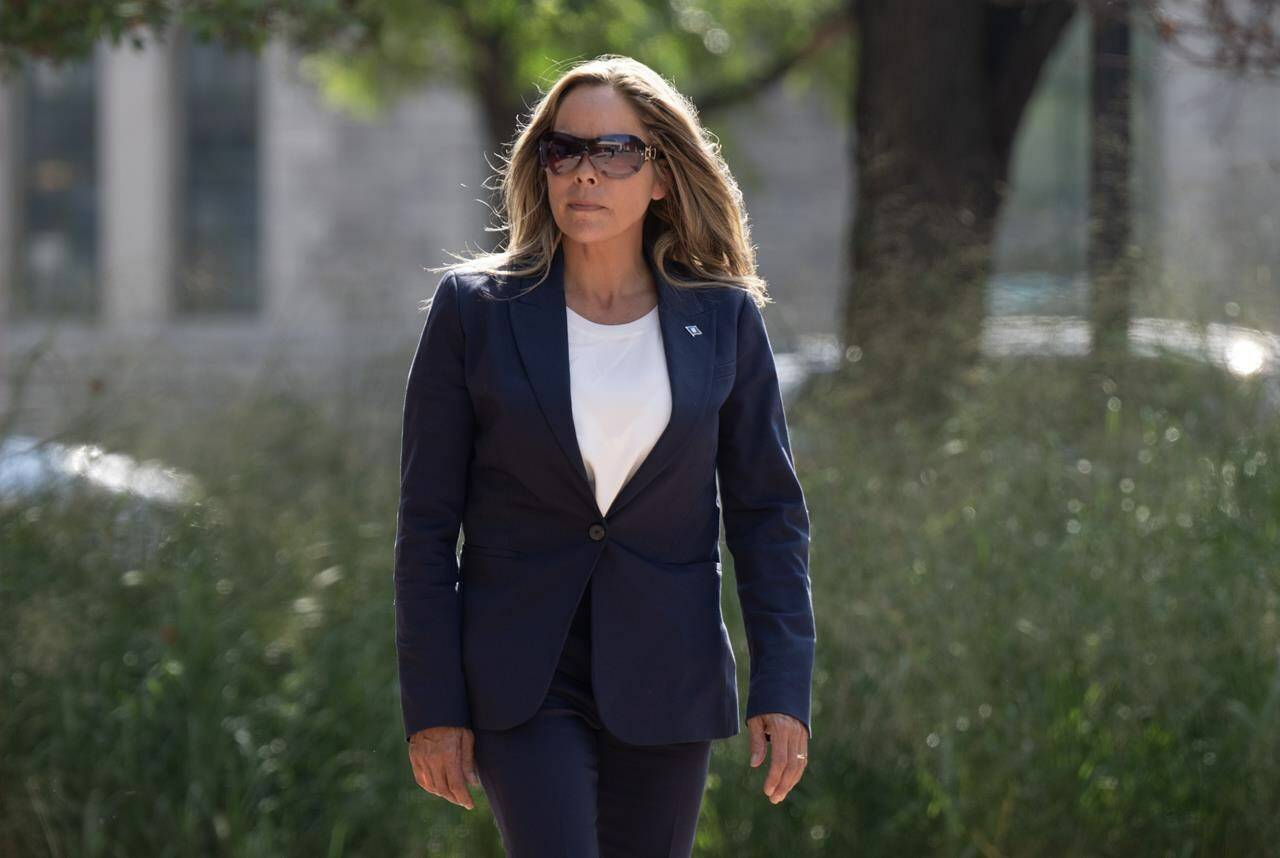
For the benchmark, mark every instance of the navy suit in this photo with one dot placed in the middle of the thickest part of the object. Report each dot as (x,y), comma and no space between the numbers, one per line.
(489,445)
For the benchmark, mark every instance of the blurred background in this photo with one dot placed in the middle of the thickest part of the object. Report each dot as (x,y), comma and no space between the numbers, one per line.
(1024,256)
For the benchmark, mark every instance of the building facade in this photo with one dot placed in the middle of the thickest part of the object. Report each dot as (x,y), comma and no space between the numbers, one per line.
(187,221)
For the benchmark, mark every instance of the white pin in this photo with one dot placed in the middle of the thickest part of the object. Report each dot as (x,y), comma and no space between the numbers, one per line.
(693,330)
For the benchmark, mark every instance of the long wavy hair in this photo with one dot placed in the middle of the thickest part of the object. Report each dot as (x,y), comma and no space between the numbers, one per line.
(701,224)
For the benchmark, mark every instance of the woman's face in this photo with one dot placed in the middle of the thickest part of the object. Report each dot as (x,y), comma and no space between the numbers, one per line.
(593,111)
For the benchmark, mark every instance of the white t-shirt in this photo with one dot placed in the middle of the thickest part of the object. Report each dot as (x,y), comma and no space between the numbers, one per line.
(621,396)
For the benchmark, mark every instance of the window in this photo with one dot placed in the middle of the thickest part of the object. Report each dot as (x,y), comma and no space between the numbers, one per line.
(218,266)
(57,251)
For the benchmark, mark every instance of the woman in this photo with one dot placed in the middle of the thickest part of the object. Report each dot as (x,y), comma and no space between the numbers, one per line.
(572,405)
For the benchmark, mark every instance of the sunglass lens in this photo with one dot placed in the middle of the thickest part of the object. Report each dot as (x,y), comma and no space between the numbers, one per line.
(619,164)
(616,158)
(559,155)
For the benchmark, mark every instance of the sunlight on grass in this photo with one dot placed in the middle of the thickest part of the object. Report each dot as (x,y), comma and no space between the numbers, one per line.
(1047,625)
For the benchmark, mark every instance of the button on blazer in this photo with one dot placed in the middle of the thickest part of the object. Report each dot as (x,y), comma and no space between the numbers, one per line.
(489,446)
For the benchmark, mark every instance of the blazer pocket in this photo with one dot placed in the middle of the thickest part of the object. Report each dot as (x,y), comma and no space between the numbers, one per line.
(725,369)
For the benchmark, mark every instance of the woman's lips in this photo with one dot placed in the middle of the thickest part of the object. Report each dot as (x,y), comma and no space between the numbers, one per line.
(585,207)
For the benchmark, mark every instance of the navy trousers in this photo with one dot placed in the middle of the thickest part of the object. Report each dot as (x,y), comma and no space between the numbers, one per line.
(562,786)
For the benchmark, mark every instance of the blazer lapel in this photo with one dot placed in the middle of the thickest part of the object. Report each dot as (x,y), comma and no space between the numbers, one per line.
(539,322)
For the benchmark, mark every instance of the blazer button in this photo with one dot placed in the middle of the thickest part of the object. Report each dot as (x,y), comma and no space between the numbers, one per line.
(596,531)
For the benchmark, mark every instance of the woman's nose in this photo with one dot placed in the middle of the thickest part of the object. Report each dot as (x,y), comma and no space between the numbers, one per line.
(585,170)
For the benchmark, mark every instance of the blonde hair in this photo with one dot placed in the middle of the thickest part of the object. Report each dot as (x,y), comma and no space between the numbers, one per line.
(701,223)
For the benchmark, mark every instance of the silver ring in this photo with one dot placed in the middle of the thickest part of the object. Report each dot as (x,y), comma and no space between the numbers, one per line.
(802,756)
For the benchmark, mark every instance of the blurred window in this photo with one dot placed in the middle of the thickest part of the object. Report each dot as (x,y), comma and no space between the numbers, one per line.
(57,249)
(218,269)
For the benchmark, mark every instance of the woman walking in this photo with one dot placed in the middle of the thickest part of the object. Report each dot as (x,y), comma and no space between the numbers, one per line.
(583,405)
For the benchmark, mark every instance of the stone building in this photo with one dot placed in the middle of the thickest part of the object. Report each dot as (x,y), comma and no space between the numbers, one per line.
(187,221)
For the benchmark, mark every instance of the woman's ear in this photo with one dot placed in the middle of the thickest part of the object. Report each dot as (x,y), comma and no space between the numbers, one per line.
(659,186)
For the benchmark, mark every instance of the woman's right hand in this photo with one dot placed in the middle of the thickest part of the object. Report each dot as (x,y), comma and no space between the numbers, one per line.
(443,760)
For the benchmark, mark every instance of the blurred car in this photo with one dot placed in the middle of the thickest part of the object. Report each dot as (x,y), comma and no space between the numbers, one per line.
(29,465)
(128,504)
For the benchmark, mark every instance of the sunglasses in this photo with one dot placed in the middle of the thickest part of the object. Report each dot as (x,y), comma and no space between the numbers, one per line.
(615,155)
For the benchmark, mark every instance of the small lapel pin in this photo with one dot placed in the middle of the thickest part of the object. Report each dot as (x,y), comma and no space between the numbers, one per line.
(693,330)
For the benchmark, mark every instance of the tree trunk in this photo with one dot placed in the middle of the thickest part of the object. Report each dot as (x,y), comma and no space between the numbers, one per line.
(1110,269)
(940,92)
(490,58)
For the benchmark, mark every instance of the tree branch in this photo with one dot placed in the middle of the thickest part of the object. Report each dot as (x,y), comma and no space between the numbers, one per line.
(834,24)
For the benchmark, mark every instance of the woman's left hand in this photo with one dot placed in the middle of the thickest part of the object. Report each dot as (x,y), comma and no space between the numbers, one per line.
(790,742)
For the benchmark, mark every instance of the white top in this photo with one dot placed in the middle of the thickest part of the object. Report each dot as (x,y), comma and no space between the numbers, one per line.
(621,397)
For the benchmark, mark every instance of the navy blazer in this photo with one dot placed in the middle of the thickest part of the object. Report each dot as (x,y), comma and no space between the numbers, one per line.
(489,444)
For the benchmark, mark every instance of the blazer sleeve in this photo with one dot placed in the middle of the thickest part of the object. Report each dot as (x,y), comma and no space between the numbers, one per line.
(436,444)
(766,524)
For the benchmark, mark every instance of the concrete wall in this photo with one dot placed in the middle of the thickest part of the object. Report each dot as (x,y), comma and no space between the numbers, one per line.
(351,212)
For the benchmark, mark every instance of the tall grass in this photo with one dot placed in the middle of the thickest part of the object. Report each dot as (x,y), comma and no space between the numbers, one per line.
(1047,625)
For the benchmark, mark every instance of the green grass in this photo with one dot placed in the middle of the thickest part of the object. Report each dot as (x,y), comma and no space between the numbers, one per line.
(1047,625)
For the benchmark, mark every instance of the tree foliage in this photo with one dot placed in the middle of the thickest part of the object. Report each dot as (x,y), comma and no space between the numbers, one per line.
(366,53)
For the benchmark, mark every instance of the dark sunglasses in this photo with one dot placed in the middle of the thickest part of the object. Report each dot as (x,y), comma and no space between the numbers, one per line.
(615,155)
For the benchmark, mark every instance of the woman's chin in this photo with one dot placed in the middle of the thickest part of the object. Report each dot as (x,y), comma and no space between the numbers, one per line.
(584,232)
